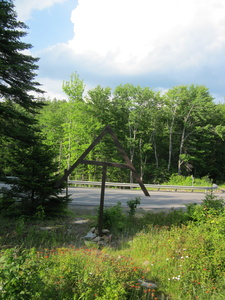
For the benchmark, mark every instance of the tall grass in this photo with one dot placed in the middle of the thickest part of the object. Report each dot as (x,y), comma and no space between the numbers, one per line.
(169,255)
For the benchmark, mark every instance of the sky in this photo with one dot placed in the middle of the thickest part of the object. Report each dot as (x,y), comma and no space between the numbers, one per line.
(159,44)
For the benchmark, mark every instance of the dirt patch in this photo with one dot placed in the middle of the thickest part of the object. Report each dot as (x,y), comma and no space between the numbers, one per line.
(84,210)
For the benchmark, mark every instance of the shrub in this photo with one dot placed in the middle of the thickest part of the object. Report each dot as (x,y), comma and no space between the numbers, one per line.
(210,206)
(132,204)
(114,218)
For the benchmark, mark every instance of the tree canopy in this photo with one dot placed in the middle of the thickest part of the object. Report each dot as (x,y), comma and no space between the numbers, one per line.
(180,131)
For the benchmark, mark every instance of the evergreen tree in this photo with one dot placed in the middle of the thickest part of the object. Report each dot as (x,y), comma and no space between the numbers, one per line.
(22,151)
(17,70)
(17,73)
(32,185)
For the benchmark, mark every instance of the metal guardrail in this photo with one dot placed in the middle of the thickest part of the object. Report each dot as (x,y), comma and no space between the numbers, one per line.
(136,185)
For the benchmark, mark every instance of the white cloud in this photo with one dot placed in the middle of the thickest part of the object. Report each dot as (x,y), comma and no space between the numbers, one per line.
(24,8)
(132,36)
(53,88)
(161,43)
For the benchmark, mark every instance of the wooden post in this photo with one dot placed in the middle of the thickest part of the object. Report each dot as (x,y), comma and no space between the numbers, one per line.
(101,208)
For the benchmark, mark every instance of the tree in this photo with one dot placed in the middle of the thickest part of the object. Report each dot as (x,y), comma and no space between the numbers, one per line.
(17,70)
(28,159)
(17,73)
(32,185)
(190,109)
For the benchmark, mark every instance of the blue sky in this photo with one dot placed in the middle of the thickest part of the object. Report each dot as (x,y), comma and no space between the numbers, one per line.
(159,44)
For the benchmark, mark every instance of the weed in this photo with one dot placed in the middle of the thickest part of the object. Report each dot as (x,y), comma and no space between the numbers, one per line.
(132,204)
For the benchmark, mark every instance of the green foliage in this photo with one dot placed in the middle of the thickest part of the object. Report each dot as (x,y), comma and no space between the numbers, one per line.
(132,204)
(185,259)
(20,275)
(33,184)
(114,218)
(68,273)
(17,70)
(188,181)
(210,207)
(184,136)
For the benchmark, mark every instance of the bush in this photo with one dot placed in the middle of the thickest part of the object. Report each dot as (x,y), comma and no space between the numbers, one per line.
(132,204)
(114,218)
(188,181)
(210,206)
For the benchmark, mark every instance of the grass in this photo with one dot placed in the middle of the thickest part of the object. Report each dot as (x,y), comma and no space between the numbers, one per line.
(181,252)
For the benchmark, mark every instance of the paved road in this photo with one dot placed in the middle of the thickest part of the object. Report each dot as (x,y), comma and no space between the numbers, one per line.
(157,200)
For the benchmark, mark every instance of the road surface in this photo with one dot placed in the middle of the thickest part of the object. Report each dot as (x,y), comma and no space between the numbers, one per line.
(157,200)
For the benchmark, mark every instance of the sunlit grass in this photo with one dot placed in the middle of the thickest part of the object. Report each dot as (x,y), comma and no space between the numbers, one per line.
(181,253)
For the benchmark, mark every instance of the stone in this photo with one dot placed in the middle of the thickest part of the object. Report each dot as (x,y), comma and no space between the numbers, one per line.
(97,239)
(147,284)
(90,235)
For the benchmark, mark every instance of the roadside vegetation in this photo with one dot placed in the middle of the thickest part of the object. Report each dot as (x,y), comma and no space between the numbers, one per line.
(176,254)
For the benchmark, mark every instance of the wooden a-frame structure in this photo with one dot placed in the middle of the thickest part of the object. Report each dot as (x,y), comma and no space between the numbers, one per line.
(128,165)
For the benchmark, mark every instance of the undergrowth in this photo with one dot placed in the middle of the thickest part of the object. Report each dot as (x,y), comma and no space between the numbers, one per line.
(179,254)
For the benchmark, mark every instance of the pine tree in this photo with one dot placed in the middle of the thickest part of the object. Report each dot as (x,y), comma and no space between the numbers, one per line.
(22,151)
(17,70)
(32,185)
(17,74)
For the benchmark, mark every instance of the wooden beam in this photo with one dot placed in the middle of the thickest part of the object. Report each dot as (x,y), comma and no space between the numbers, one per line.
(104,163)
(101,208)
(70,170)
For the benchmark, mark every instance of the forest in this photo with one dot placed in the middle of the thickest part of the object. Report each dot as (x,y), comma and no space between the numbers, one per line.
(180,131)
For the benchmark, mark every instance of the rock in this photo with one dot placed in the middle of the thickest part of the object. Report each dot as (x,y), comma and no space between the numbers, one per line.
(93,236)
(90,235)
(147,284)
(46,228)
(97,239)
(93,229)
(107,238)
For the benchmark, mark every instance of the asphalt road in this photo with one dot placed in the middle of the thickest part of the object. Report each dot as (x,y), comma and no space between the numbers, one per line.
(157,200)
